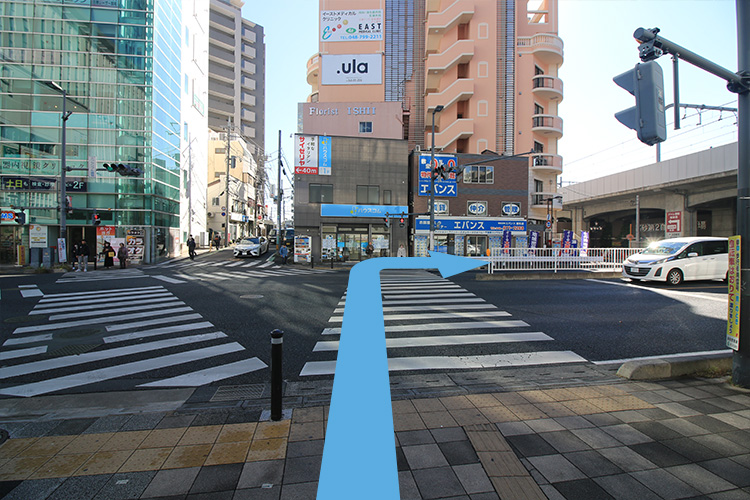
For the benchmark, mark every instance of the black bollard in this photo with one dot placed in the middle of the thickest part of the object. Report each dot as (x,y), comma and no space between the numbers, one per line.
(276,376)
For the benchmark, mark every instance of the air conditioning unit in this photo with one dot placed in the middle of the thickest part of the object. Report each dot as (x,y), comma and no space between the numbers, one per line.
(210,214)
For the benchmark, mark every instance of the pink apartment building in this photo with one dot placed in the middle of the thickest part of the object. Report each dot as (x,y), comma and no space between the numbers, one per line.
(492,65)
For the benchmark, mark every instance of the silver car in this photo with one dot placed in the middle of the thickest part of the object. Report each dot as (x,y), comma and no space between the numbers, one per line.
(251,247)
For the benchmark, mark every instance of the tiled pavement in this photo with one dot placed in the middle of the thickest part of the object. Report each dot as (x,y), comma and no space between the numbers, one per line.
(673,439)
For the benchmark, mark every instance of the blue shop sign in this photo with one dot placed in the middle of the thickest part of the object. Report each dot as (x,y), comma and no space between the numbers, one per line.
(447,187)
(467,226)
(330,210)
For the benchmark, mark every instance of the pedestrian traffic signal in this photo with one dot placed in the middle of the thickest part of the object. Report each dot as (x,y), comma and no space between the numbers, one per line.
(124,170)
(96,219)
(646,82)
(20,218)
(387,222)
(401,221)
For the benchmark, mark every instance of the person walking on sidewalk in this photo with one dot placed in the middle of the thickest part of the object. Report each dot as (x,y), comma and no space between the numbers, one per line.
(401,251)
(284,252)
(217,241)
(74,253)
(191,247)
(83,256)
(109,255)
(369,249)
(122,256)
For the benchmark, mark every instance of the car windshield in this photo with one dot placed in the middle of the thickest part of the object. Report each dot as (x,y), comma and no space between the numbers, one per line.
(250,241)
(663,248)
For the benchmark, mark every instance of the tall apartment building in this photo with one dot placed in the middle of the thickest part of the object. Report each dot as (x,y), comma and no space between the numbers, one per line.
(492,65)
(119,65)
(236,72)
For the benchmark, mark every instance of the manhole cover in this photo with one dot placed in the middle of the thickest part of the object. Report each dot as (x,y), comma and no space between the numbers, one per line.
(76,334)
(237,392)
(72,350)
(25,319)
(251,296)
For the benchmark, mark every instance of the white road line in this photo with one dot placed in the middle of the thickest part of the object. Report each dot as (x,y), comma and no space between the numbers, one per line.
(251,264)
(54,296)
(448,296)
(188,277)
(31,292)
(91,357)
(433,316)
(20,353)
(62,307)
(266,264)
(123,337)
(167,279)
(139,324)
(120,297)
(430,301)
(423,308)
(235,264)
(211,277)
(209,375)
(446,340)
(111,372)
(665,356)
(78,314)
(458,362)
(29,340)
(69,324)
(469,325)
(228,275)
(27,286)
(100,278)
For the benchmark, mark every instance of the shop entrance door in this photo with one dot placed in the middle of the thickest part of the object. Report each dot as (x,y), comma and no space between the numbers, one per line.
(476,246)
(8,244)
(355,243)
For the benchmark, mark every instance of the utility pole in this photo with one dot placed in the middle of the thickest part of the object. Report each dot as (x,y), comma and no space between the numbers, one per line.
(226,188)
(190,186)
(278,201)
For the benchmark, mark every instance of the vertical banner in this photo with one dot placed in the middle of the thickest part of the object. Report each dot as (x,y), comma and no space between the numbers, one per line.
(534,239)
(134,240)
(506,241)
(62,250)
(567,241)
(733,285)
(584,243)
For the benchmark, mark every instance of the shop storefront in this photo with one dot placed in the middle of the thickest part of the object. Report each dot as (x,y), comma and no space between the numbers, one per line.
(469,236)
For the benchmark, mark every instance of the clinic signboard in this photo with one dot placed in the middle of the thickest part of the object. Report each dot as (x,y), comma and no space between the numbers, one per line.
(447,187)
(471,226)
(351,25)
(312,154)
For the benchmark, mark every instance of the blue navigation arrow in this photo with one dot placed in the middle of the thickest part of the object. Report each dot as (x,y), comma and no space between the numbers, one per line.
(359,456)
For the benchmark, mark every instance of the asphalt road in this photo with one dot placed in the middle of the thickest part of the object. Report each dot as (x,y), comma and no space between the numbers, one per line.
(178,323)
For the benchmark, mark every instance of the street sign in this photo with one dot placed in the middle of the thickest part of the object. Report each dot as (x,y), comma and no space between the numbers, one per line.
(548,224)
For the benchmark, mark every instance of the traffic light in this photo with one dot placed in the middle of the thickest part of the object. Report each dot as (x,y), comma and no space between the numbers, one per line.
(122,169)
(401,221)
(20,218)
(96,219)
(387,222)
(646,82)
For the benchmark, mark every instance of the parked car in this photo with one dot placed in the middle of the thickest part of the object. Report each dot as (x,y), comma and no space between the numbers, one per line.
(251,247)
(680,259)
(287,237)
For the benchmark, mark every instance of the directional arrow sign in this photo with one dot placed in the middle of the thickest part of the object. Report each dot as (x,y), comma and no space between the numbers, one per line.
(359,456)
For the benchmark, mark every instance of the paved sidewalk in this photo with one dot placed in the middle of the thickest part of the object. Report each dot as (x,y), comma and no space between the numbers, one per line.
(686,438)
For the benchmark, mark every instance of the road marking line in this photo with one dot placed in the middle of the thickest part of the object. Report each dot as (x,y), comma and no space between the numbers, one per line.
(453,340)
(469,325)
(62,307)
(431,316)
(69,324)
(209,375)
(111,372)
(418,308)
(29,340)
(138,324)
(665,356)
(123,337)
(31,292)
(20,353)
(53,296)
(78,314)
(167,279)
(122,297)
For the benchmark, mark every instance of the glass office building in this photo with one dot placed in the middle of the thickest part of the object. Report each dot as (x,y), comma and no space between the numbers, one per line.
(119,63)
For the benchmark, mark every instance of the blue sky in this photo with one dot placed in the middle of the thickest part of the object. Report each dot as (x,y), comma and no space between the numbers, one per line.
(599,44)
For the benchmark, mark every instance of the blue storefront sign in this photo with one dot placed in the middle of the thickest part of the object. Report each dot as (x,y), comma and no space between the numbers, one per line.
(330,210)
(471,226)
(443,187)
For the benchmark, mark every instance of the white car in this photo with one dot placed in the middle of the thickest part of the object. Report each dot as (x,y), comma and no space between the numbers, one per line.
(680,259)
(251,247)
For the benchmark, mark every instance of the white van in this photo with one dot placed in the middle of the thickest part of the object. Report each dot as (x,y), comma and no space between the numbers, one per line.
(677,259)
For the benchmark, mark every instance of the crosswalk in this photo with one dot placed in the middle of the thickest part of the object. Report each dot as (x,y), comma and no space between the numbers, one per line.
(188,270)
(133,334)
(465,332)
(101,275)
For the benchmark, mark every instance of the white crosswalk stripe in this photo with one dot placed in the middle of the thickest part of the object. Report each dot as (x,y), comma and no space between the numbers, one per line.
(417,327)
(91,275)
(89,338)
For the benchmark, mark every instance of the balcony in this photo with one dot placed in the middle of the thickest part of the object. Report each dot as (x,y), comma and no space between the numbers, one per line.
(545,162)
(438,23)
(542,199)
(459,129)
(547,125)
(313,71)
(460,90)
(431,6)
(460,52)
(547,87)
(545,46)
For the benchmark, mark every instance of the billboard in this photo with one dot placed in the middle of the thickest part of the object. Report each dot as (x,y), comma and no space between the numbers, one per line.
(351,69)
(351,25)
(312,154)
(443,187)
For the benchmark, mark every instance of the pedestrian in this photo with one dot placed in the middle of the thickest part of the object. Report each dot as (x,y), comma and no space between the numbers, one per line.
(345,253)
(369,249)
(401,251)
(109,255)
(191,247)
(122,256)
(74,253)
(217,241)
(83,256)
(284,252)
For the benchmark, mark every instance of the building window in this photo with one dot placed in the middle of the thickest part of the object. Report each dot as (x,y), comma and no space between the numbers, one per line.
(386,197)
(538,199)
(538,71)
(365,127)
(538,110)
(368,195)
(462,70)
(215,201)
(321,193)
(187,84)
(479,174)
(478,208)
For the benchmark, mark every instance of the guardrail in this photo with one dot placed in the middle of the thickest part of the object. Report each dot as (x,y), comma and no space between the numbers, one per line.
(558,259)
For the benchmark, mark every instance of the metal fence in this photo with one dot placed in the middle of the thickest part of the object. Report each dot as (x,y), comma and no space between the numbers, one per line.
(558,259)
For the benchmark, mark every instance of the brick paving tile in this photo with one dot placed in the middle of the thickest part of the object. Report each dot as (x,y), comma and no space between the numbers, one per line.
(728,470)
(146,459)
(626,434)
(410,438)
(501,463)
(216,478)
(592,463)
(437,419)
(596,438)
(554,409)
(582,489)
(408,422)
(428,405)
(60,466)
(488,441)
(161,438)
(545,425)
(473,478)
(665,484)
(104,462)
(312,414)
(661,455)
(171,482)
(267,449)
(656,430)
(187,456)
(459,453)
(448,434)
(625,487)
(574,422)
(556,468)
(46,446)
(307,430)
(510,398)
(627,459)
(456,403)
(499,414)
(518,488)
(700,478)
(564,441)
(530,445)
(403,406)
(256,474)
(305,448)
(684,427)
(438,482)
(424,456)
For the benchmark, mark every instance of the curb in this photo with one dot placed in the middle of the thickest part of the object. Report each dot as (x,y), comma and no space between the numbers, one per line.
(661,369)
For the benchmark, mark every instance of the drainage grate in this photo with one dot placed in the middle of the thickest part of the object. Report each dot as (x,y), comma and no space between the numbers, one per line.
(237,392)
(72,350)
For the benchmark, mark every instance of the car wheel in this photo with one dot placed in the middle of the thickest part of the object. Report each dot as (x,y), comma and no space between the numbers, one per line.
(674,277)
